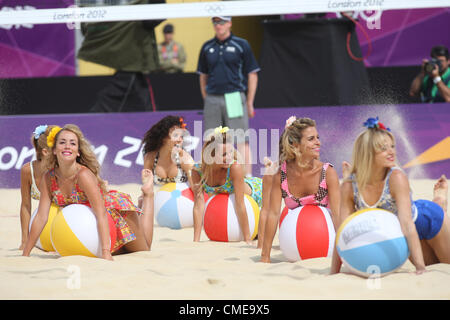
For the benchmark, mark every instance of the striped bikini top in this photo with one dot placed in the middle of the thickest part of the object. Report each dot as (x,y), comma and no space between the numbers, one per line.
(385,201)
(319,199)
(34,191)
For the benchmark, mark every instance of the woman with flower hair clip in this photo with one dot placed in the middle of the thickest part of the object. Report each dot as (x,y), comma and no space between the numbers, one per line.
(220,172)
(74,178)
(163,152)
(301,178)
(375,181)
(30,177)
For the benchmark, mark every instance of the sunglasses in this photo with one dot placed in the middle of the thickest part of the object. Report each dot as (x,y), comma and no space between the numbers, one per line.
(221,22)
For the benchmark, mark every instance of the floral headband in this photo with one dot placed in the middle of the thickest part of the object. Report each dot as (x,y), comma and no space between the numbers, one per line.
(290,121)
(375,123)
(51,136)
(39,130)
(182,123)
(221,129)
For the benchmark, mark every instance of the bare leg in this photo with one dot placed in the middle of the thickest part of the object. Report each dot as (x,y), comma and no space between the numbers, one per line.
(440,192)
(147,218)
(140,244)
(266,188)
(428,254)
(346,167)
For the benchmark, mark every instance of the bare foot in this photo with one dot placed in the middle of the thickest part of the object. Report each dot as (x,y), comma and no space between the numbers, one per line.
(440,192)
(147,182)
(346,169)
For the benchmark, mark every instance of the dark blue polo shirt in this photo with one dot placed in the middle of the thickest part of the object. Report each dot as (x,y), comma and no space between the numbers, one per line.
(227,64)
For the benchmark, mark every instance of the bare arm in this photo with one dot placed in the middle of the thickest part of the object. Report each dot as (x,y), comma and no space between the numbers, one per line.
(89,184)
(199,204)
(237,177)
(25,205)
(414,91)
(41,216)
(334,194)
(400,190)
(272,218)
(346,209)
(203,81)
(443,89)
(251,91)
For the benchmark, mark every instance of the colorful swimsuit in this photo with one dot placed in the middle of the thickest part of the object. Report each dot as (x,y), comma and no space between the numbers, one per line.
(427,215)
(319,199)
(180,177)
(255,184)
(116,204)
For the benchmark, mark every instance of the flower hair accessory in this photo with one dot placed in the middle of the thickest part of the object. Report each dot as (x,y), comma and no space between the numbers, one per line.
(39,130)
(51,136)
(375,123)
(182,123)
(221,130)
(290,121)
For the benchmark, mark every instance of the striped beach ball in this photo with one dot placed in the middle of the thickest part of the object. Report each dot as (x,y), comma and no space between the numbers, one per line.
(306,232)
(371,241)
(220,220)
(174,205)
(44,242)
(74,232)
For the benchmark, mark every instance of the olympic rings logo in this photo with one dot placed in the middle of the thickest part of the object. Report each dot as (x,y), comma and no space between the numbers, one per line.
(214,9)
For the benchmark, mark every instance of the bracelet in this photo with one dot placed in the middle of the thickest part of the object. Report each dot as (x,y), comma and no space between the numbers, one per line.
(437,79)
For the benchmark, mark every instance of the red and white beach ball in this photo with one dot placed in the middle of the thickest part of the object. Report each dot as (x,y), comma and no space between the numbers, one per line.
(220,220)
(306,232)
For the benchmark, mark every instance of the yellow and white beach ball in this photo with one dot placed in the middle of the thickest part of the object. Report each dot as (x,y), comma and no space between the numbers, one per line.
(371,241)
(220,220)
(44,242)
(74,232)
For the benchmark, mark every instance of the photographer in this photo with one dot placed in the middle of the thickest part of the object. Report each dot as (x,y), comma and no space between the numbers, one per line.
(433,81)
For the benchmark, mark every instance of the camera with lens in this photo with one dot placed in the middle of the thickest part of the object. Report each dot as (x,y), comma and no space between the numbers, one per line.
(430,65)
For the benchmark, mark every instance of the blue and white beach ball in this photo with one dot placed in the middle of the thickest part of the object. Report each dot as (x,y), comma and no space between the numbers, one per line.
(371,242)
(174,205)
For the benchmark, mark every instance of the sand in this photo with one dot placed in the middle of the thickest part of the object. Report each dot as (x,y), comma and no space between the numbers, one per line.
(177,268)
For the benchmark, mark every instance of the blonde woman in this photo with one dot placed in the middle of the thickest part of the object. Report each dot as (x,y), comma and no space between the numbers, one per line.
(221,172)
(375,181)
(74,179)
(30,177)
(301,179)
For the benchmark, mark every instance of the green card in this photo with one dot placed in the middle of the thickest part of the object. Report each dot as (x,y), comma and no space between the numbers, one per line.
(233,102)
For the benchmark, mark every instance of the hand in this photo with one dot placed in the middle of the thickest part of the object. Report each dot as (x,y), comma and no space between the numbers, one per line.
(420,270)
(424,62)
(250,110)
(106,254)
(435,72)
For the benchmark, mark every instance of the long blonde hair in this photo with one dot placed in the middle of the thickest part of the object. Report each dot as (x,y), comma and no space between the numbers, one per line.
(87,156)
(367,144)
(293,134)
(209,153)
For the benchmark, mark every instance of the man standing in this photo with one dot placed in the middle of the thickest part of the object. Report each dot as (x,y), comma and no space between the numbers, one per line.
(172,57)
(228,82)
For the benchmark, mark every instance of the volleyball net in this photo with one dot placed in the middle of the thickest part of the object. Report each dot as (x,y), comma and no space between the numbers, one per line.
(121,10)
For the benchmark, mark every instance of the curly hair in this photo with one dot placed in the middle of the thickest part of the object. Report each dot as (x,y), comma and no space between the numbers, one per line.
(154,137)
